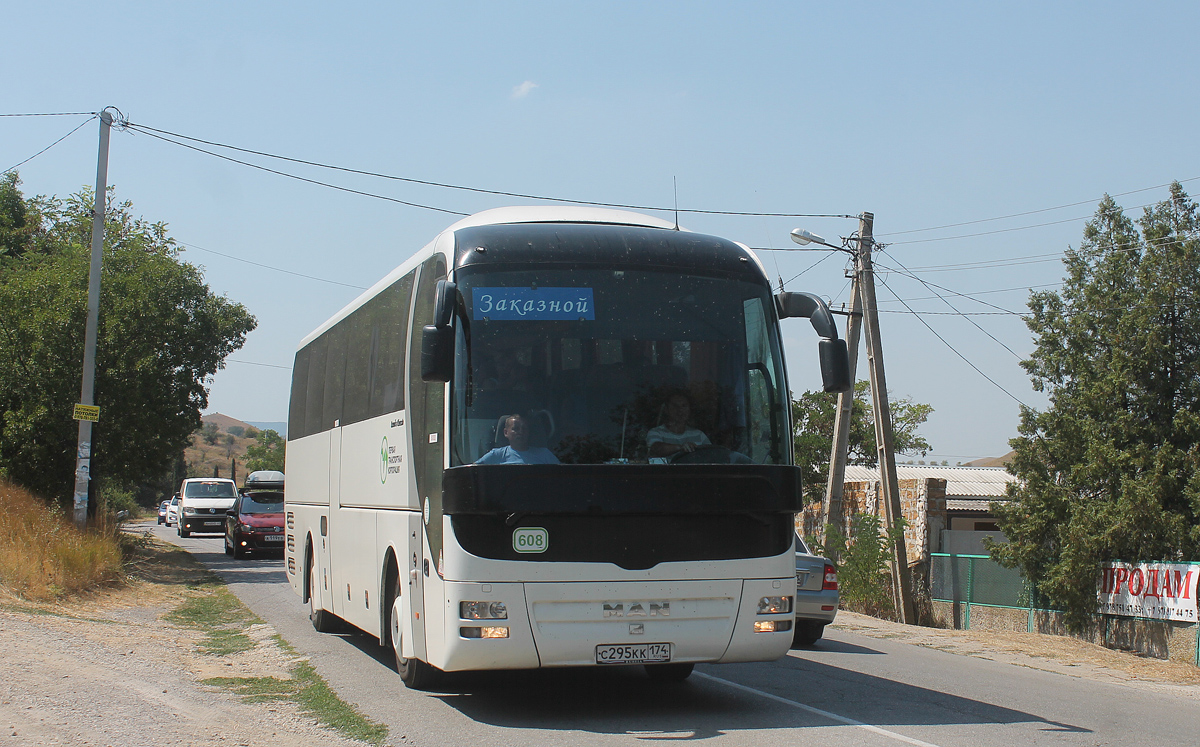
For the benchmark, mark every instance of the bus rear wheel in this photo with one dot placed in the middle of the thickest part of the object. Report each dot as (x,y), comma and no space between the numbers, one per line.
(322,620)
(669,672)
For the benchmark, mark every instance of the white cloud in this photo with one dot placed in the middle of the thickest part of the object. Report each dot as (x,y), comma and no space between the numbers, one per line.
(523,90)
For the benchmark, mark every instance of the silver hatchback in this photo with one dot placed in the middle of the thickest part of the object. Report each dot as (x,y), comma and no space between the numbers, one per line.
(816,595)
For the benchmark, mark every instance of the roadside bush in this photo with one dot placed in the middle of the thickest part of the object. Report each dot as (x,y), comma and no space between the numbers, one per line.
(44,556)
(864,565)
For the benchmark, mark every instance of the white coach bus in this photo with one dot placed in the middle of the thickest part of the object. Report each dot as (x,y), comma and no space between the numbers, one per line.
(553,437)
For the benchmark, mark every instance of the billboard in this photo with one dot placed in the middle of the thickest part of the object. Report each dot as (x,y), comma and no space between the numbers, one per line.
(1159,591)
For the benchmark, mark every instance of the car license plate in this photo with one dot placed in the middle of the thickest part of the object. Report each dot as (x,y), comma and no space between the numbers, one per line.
(273,538)
(214,523)
(637,653)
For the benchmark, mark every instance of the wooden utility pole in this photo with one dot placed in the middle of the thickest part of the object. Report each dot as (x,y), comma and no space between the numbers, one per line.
(901,579)
(845,405)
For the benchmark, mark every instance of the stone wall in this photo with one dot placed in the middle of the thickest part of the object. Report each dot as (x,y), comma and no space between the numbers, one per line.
(1175,641)
(922,502)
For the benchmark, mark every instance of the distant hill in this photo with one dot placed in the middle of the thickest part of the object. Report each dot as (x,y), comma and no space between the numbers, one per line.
(226,456)
(279,427)
(1002,461)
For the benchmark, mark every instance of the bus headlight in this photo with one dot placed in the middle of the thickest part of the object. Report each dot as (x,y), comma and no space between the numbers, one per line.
(774,605)
(483,611)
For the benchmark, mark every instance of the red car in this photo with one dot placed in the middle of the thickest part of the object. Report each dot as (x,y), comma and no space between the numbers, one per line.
(255,523)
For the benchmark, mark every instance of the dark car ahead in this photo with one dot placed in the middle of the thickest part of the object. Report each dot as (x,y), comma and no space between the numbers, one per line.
(255,523)
(162,512)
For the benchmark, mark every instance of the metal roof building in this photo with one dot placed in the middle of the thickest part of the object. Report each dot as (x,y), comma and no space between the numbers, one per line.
(967,488)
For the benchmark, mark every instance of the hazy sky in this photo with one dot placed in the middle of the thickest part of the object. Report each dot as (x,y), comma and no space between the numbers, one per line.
(926,114)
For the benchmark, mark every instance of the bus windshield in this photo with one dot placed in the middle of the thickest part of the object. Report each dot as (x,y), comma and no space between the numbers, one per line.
(599,364)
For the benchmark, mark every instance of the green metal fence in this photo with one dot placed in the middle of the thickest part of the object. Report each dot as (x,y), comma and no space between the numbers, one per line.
(977,580)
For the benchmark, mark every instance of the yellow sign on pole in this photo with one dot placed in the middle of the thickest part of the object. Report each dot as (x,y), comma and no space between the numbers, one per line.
(87,412)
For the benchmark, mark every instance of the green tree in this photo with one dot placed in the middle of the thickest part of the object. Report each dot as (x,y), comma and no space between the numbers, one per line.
(16,226)
(162,334)
(813,415)
(1109,469)
(266,452)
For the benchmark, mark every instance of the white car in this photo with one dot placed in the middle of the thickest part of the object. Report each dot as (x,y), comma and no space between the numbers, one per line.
(173,510)
(203,504)
(816,596)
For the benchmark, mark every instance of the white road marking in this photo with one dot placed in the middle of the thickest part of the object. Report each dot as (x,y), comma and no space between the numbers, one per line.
(818,711)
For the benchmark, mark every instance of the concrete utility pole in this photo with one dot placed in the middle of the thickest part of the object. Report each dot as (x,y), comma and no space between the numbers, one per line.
(901,579)
(86,412)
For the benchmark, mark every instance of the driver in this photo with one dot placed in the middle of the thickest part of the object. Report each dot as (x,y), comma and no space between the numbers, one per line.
(676,436)
(516,430)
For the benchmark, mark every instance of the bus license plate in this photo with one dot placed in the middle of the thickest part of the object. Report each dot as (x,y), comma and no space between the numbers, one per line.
(639,653)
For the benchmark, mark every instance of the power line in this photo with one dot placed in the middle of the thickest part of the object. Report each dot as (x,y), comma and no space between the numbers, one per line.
(952,348)
(1010,230)
(253,363)
(910,274)
(995,290)
(138,128)
(478,190)
(53,114)
(1035,212)
(269,267)
(966,316)
(48,147)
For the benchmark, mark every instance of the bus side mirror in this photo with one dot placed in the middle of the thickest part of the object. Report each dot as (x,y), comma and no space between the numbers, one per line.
(437,352)
(835,362)
(437,339)
(835,365)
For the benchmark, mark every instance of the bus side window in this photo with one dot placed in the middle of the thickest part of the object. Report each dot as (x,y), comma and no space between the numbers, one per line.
(335,375)
(315,401)
(299,395)
(389,327)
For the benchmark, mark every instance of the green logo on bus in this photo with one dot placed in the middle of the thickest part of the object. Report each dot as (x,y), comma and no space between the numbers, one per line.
(390,459)
(531,539)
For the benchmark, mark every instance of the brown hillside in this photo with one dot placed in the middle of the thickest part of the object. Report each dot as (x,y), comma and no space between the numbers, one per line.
(1002,461)
(226,457)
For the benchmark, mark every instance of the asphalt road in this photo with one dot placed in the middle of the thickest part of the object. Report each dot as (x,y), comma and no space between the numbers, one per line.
(848,690)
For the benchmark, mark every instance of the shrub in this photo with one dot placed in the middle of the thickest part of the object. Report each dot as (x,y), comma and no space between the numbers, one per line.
(864,565)
(44,556)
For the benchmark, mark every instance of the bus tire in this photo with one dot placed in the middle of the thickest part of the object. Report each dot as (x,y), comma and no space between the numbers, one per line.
(414,673)
(669,672)
(322,620)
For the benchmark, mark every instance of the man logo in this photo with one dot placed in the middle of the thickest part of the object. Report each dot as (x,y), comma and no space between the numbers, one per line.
(638,609)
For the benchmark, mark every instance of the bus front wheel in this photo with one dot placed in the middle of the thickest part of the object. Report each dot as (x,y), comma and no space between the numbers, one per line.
(669,672)
(415,673)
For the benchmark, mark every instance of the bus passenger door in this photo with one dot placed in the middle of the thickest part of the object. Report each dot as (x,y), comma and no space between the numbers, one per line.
(412,598)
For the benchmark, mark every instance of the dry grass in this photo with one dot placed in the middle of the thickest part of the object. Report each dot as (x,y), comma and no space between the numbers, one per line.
(43,556)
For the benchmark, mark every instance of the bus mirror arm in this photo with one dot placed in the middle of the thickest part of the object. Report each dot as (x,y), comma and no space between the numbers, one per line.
(437,352)
(835,362)
(443,309)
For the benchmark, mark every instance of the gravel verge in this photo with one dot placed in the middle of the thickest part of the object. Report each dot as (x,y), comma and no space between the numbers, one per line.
(110,670)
